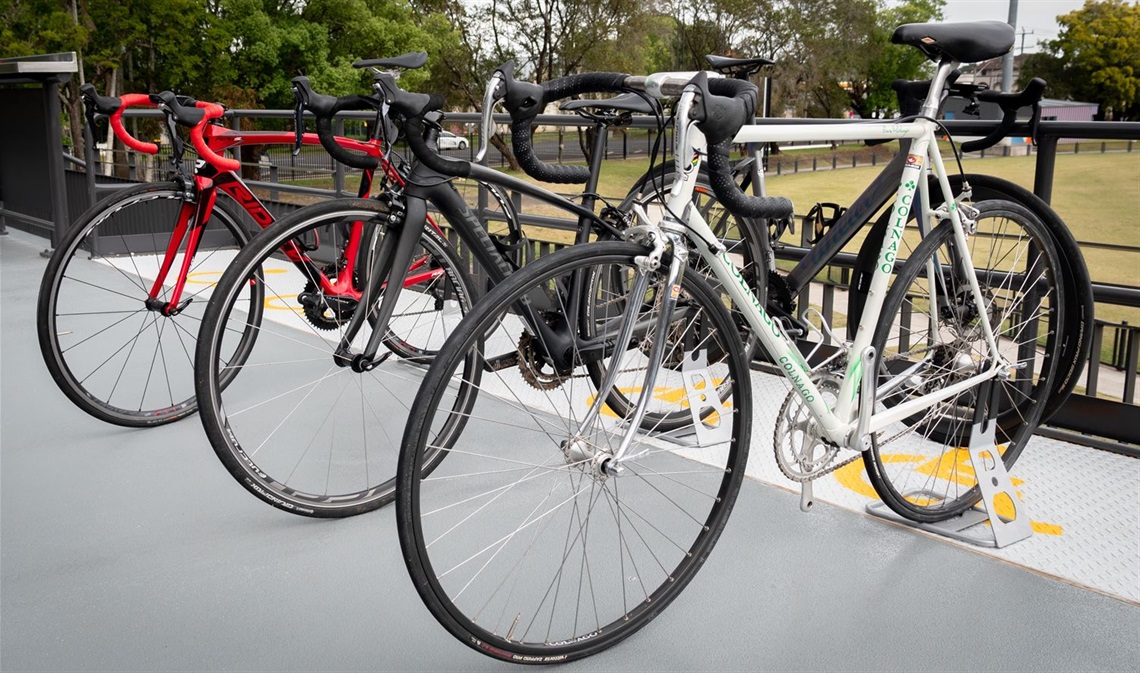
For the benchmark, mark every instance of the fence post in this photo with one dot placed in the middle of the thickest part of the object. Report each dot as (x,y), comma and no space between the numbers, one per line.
(1130,358)
(829,302)
(561,142)
(834,159)
(338,168)
(813,166)
(1044,168)
(274,193)
(1094,359)
(1120,345)
(624,144)
(1103,146)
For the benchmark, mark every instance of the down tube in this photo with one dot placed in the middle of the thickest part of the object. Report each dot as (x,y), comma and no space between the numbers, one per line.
(783,352)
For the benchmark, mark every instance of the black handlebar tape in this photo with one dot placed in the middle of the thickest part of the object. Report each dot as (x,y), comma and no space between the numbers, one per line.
(525,101)
(185,115)
(328,140)
(730,195)
(325,108)
(414,132)
(724,106)
(1010,103)
(589,82)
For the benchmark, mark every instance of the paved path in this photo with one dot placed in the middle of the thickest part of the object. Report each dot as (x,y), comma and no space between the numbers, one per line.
(134,551)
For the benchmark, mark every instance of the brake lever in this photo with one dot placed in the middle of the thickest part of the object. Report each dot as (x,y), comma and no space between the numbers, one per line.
(494,92)
(298,127)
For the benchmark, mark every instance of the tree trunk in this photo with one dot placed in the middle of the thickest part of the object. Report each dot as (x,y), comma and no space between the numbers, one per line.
(508,154)
(73,104)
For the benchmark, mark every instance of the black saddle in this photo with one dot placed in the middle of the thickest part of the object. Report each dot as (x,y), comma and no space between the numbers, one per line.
(737,66)
(627,102)
(963,42)
(408,61)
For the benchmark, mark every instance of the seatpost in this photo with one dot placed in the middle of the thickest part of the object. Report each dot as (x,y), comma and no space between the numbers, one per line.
(589,193)
(937,83)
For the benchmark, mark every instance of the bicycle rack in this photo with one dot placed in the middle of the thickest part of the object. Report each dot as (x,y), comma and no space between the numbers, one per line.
(994,483)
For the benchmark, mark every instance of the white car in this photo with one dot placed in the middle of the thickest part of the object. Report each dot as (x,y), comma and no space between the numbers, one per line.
(450,141)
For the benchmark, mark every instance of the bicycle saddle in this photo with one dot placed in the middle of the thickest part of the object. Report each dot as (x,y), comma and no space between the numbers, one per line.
(737,66)
(963,42)
(408,61)
(627,102)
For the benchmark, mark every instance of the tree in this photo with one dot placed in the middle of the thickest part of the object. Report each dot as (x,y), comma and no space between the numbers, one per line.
(871,94)
(1096,57)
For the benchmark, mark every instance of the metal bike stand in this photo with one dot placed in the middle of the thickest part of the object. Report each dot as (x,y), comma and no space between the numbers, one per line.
(994,483)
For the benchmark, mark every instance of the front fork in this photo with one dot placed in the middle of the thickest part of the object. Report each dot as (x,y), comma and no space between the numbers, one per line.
(386,273)
(647,264)
(197,205)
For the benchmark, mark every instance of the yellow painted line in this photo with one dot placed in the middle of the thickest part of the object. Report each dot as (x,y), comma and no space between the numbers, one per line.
(853,478)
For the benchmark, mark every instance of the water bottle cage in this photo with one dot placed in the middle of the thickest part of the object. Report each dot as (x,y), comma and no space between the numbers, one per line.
(821,217)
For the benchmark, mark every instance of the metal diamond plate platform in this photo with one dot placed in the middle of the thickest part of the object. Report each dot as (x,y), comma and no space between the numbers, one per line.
(1084,504)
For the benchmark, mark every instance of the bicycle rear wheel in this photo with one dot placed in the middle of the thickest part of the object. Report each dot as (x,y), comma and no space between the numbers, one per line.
(114,357)
(295,427)
(1073,337)
(525,542)
(930,338)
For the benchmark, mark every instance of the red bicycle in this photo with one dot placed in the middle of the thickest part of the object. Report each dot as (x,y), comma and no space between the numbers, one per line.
(123,294)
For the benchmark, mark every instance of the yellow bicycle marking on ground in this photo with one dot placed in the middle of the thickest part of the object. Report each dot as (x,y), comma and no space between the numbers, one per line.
(672,395)
(959,469)
(211,277)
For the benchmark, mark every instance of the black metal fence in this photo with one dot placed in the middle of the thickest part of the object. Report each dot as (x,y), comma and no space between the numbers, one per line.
(1089,418)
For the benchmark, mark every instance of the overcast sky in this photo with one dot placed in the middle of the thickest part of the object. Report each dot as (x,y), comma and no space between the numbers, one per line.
(1038,16)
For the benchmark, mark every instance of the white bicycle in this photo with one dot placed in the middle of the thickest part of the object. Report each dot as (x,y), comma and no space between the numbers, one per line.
(600,463)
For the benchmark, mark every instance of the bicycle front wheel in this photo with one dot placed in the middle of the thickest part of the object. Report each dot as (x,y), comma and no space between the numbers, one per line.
(115,357)
(295,426)
(530,542)
(931,338)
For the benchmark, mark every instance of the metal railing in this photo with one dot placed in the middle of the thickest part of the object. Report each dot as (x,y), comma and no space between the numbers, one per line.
(1096,420)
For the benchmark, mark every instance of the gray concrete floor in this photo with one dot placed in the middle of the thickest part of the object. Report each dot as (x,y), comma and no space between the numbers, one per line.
(130,550)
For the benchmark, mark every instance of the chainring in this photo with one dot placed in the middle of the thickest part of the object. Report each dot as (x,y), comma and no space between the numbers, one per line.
(329,315)
(531,367)
(800,452)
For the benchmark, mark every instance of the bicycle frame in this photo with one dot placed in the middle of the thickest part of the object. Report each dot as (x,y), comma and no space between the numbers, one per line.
(849,423)
(198,207)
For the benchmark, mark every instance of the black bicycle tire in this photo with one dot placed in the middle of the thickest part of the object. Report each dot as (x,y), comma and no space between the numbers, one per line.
(222,438)
(472,330)
(47,302)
